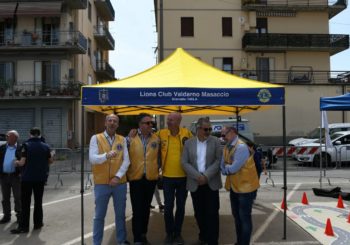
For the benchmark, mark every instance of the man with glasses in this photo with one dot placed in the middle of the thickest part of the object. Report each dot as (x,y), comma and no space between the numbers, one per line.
(9,176)
(108,154)
(142,175)
(174,177)
(201,161)
(242,182)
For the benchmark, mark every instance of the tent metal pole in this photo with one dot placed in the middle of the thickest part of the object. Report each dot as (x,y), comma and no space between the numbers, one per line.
(320,153)
(82,172)
(284,173)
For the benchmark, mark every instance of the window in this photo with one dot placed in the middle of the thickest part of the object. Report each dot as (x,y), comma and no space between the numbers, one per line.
(89,47)
(265,68)
(187,28)
(6,72)
(89,11)
(226,26)
(224,64)
(261,25)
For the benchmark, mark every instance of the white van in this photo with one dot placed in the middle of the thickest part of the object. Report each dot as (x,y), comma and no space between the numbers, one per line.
(218,124)
(315,134)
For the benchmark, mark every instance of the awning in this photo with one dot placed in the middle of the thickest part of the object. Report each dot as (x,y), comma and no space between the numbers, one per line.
(31,9)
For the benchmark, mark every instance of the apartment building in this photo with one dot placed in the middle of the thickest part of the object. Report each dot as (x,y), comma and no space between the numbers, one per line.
(48,50)
(280,41)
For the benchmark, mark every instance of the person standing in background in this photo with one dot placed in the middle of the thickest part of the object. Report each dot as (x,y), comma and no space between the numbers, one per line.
(10,176)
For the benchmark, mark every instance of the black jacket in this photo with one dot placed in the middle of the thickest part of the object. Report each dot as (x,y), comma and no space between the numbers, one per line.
(2,157)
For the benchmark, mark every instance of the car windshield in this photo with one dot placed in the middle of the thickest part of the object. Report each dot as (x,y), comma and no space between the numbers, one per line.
(314,134)
(333,137)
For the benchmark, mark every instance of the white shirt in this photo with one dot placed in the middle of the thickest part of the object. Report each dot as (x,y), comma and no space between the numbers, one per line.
(96,158)
(201,154)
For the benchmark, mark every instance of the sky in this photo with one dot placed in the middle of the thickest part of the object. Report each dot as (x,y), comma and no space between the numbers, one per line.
(135,36)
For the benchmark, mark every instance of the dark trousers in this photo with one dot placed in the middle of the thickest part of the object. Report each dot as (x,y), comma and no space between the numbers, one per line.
(10,182)
(241,207)
(141,194)
(206,206)
(27,187)
(174,188)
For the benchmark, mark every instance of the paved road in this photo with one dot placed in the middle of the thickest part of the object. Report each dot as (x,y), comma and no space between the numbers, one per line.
(63,220)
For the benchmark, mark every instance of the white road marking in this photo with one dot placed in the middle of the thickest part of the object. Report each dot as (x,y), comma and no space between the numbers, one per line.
(272,216)
(88,235)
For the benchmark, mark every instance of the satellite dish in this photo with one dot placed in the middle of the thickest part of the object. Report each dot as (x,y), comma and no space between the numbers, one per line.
(241,19)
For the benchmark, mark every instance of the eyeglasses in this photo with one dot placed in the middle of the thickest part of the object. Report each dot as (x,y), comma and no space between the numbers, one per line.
(148,123)
(207,129)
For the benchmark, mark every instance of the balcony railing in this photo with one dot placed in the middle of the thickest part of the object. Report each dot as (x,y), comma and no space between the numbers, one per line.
(65,41)
(77,4)
(105,9)
(104,37)
(296,76)
(104,71)
(43,89)
(333,7)
(333,43)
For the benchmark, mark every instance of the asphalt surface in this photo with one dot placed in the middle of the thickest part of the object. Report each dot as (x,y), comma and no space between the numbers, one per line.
(62,210)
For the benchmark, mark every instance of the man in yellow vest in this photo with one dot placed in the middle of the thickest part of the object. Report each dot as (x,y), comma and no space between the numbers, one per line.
(142,175)
(242,182)
(108,154)
(174,177)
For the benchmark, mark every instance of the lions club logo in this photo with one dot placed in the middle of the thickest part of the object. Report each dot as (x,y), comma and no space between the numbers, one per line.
(264,95)
(103,95)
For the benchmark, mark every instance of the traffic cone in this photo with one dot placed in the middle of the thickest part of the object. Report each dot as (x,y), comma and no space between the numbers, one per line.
(304,199)
(283,205)
(340,202)
(329,229)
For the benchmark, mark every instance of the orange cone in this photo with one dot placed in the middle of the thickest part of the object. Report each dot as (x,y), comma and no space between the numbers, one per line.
(304,199)
(283,205)
(329,229)
(340,202)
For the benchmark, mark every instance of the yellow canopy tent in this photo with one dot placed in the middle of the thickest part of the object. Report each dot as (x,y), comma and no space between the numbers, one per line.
(181,83)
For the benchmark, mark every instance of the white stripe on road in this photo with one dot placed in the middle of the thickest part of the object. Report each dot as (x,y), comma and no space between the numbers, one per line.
(88,235)
(272,216)
(58,201)
(287,243)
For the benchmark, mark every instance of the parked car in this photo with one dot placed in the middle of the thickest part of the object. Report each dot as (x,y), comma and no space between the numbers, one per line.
(338,152)
(315,134)
(2,139)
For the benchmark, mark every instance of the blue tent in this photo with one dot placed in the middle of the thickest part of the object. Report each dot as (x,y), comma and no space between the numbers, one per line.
(337,103)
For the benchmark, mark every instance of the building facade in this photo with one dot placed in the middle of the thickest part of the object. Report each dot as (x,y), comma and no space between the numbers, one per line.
(278,41)
(48,50)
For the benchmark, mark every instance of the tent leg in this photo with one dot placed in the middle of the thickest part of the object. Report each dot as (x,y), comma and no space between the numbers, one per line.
(82,173)
(284,172)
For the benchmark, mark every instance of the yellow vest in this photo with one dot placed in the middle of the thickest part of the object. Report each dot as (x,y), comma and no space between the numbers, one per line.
(246,179)
(163,134)
(107,170)
(139,159)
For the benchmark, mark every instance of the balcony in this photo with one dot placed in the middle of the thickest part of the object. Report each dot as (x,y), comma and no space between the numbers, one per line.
(333,43)
(72,42)
(104,37)
(77,4)
(41,90)
(104,71)
(105,9)
(297,75)
(333,7)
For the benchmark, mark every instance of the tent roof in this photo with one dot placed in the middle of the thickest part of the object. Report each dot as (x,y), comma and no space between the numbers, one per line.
(337,103)
(181,83)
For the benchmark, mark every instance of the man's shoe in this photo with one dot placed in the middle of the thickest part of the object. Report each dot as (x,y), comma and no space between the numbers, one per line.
(178,240)
(5,220)
(168,239)
(19,231)
(38,226)
(124,243)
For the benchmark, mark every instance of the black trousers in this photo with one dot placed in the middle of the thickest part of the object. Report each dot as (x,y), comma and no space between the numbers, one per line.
(27,188)
(10,182)
(141,194)
(206,206)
